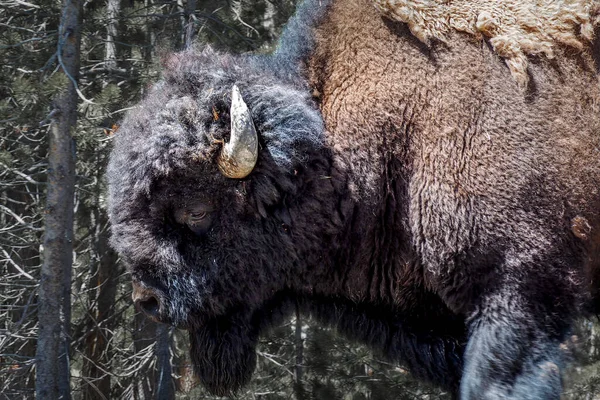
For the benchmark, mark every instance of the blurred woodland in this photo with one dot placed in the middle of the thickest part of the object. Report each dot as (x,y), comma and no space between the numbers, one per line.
(106,349)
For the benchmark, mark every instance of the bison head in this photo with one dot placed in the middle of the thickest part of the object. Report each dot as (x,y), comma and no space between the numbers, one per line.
(216,202)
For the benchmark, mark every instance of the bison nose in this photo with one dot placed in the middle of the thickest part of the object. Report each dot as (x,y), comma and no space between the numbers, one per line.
(147,300)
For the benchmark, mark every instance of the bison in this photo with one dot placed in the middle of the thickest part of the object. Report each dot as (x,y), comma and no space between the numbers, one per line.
(415,196)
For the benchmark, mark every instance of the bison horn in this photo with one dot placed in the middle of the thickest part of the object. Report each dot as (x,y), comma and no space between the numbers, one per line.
(238,157)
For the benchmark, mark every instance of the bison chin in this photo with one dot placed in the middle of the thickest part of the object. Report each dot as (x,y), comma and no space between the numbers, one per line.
(224,354)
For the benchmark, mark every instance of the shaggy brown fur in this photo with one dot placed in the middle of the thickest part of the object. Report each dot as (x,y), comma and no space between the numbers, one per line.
(467,138)
(426,206)
(514,28)
(489,179)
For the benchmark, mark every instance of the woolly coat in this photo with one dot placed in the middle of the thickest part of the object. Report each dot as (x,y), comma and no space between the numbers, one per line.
(416,197)
(514,28)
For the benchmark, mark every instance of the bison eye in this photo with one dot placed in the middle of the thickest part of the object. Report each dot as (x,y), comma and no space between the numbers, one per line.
(196,220)
(197,216)
(199,223)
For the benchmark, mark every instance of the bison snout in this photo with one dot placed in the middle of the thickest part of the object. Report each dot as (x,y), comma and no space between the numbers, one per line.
(148,300)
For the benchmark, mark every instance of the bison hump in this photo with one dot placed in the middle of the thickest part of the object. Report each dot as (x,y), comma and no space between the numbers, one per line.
(514,28)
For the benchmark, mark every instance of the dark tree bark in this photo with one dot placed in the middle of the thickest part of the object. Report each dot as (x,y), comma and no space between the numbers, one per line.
(153,382)
(144,335)
(54,302)
(181,11)
(113,9)
(103,284)
(149,33)
(298,368)
(103,277)
(165,385)
(191,29)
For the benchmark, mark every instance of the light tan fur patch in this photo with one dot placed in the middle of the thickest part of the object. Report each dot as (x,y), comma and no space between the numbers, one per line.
(514,28)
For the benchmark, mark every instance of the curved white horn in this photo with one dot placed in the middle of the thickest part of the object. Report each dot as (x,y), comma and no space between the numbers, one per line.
(239,155)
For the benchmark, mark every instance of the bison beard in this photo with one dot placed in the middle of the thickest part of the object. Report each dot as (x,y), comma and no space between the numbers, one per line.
(413,197)
(223,349)
(224,354)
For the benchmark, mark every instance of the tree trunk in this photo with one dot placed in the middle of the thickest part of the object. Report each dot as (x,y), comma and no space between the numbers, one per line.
(113,8)
(149,33)
(190,17)
(153,383)
(182,24)
(102,295)
(54,299)
(144,336)
(299,345)
(103,277)
(165,386)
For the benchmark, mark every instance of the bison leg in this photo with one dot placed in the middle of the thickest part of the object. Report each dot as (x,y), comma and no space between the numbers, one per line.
(514,350)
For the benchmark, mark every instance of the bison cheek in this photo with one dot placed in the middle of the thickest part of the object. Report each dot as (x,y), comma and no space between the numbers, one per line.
(224,355)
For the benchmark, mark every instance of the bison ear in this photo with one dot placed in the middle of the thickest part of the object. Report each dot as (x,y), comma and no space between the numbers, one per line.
(238,156)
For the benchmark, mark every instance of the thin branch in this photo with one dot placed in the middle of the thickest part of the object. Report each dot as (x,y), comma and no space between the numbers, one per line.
(19,219)
(14,264)
(64,68)
(37,39)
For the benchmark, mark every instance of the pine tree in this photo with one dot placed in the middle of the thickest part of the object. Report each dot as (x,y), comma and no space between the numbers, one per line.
(54,308)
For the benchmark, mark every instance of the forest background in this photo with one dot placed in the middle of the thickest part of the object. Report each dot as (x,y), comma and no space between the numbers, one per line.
(108,350)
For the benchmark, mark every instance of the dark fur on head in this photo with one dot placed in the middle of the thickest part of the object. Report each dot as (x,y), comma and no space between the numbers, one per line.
(164,159)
